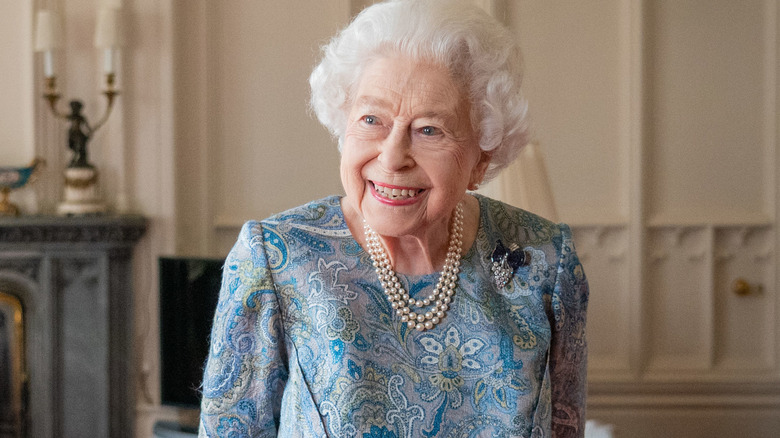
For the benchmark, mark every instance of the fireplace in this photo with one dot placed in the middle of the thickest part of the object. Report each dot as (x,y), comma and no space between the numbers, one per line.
(65,326)
(12,378)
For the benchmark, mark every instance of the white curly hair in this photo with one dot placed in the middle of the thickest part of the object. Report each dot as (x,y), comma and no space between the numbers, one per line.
(476,49)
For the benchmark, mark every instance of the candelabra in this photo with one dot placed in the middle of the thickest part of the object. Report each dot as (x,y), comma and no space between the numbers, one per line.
(81,177)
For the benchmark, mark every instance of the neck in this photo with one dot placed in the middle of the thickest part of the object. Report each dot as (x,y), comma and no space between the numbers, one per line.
(419,254)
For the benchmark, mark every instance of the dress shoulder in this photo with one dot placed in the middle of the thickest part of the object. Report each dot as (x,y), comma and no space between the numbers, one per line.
(321,213)
(513,224)
(289,239)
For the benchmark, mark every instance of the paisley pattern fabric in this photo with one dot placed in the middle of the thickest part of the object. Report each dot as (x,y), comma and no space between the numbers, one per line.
(305,344)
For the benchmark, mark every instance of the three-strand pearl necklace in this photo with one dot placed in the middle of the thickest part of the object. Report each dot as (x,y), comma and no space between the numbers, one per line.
(420,319)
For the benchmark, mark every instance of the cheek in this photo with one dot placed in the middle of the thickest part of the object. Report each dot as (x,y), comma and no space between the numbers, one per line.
(349,170)
(351,165)
(461,163)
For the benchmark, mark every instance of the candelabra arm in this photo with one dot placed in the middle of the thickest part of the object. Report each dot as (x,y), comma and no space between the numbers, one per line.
(111,93)
(52,96)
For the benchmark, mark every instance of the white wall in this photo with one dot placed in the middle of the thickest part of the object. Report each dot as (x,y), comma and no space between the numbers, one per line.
(658,121)
(17,141)
(243,72)
(16,121)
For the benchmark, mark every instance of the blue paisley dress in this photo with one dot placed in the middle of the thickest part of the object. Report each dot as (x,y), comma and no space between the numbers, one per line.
(305,344)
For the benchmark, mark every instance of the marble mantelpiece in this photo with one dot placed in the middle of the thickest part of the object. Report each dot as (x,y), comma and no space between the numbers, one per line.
(73,276)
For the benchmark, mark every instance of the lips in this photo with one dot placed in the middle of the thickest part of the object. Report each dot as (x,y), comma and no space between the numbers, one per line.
(395,193)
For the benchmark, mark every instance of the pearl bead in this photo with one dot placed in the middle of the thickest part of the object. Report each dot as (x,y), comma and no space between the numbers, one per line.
(399,298)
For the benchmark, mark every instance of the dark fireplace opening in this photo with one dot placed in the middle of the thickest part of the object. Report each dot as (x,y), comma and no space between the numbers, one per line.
(13,374)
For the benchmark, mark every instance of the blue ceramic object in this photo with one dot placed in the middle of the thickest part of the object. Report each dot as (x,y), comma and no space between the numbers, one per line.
(14,178)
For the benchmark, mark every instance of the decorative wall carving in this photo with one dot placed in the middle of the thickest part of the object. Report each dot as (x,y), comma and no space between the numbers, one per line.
(27,267)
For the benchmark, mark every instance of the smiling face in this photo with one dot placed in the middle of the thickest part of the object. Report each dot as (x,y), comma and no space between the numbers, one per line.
(409,152)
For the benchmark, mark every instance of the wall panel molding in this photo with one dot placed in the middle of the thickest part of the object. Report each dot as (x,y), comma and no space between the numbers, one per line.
(604,250)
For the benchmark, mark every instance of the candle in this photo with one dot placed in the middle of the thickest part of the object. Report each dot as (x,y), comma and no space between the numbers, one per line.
(48,63)
(108,61)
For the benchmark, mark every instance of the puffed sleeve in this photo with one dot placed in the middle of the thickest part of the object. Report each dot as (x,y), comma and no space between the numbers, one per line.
(246,366)
(568,349)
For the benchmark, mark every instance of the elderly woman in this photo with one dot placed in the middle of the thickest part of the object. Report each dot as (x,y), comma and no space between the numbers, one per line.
(409,307)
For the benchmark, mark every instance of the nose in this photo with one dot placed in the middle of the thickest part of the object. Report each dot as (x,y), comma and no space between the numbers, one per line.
(394,151)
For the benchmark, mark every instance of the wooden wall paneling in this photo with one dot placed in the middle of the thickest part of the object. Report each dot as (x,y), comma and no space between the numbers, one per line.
(678,296)
(577,96)
(633,29)
(745,337)
(677,420)
(773,165)
(267,150)
(708,111)
(193,95)
(604,251)
(270,153)
(583,83)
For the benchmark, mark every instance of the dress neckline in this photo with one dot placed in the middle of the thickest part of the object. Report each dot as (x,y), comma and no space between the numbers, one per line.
(468,255)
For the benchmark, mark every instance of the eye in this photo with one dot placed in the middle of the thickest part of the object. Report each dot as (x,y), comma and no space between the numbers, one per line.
(369,120)
(430,130)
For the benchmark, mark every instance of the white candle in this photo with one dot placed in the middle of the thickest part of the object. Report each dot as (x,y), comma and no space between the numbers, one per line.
(108,60)
(48,63)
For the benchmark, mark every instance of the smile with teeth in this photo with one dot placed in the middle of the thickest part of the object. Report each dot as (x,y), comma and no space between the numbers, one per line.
(396,194)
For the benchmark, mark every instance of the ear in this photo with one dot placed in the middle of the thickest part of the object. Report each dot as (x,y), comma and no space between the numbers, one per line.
(478,173)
